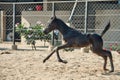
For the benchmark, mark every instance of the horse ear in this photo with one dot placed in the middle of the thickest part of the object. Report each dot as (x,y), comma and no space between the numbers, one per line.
(54,16)
(54,13)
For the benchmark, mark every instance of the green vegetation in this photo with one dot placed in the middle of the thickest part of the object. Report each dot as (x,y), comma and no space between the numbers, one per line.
(32,33)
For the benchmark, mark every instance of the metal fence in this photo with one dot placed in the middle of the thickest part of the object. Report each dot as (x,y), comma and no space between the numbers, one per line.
(85,16)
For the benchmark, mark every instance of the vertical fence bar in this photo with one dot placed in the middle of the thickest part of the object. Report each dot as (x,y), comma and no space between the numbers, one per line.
(86,15)
(13,24)
(14,47)
(53,14)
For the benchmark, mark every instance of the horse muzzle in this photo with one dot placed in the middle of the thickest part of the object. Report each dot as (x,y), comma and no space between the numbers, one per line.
(45,31)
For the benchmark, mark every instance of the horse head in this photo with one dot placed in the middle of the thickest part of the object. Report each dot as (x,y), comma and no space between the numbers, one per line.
(51,25)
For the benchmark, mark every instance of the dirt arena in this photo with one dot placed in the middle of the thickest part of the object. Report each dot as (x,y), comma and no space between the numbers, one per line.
(26,64)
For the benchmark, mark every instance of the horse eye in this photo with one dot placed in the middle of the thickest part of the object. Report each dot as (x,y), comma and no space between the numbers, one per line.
(51,17)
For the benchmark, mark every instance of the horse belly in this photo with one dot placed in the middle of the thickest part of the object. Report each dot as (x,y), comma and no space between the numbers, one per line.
(77,41)
(81,43)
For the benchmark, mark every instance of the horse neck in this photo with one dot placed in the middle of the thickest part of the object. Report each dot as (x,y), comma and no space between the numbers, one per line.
(62,27)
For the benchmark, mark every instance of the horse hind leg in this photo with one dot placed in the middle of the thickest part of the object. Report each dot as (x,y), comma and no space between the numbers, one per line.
(107,54)
(111,61)
(105,63)
(104,54)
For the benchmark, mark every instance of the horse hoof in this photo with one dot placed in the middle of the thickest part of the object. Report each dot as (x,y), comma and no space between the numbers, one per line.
(106,69)
(63,61)
(111,71)
(44,60)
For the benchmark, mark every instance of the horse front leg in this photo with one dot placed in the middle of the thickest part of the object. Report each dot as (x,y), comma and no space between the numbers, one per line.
(48,56)
(59,58)
(57,51)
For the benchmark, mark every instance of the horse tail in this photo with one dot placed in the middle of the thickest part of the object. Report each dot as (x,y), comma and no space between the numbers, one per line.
(106,29)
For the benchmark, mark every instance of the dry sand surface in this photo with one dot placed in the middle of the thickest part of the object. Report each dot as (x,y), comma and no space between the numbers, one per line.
(26,64)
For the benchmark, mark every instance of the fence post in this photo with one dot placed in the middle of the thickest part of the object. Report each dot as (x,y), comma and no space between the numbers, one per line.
(53,14)
(86,49)
(86,15)
(14,47)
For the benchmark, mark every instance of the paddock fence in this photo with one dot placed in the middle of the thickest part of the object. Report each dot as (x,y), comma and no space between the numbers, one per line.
(85,16)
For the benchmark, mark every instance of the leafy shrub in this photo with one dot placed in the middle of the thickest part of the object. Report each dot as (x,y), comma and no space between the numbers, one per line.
(32,33)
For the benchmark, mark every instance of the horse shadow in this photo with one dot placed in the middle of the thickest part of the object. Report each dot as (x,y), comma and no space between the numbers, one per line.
(3,49)
(30,50)
(113,73)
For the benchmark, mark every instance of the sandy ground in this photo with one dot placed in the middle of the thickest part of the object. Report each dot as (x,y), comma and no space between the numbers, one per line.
(26,64)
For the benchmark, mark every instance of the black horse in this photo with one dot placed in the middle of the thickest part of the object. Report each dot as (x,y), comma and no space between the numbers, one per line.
(74,38)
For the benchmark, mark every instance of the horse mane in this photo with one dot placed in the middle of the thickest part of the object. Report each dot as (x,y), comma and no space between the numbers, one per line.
(65,26)
(61,22)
